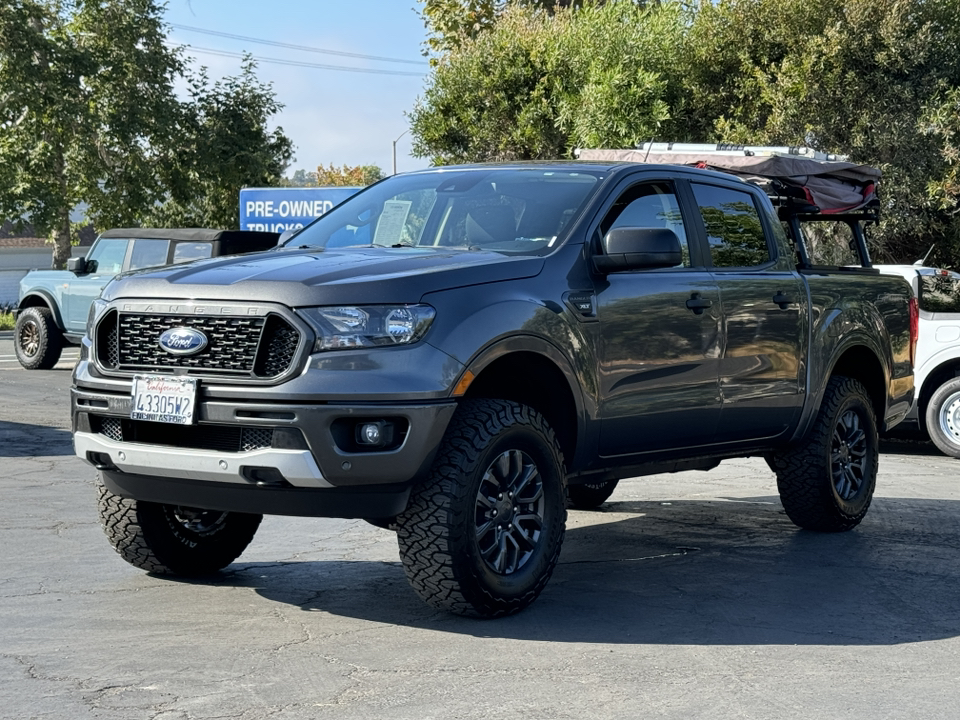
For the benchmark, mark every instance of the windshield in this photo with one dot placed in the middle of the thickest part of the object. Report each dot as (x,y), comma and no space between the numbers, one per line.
(516,211)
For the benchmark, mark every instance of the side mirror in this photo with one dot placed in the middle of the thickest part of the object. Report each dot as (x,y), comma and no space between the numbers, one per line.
(77,265)
(631,248)
(285,235)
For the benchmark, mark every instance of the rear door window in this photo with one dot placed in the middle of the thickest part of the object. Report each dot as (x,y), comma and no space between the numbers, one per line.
(187,251)
(149,252)
(733,226)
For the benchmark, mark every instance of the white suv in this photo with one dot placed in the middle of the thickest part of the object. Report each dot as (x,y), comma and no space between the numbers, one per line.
(937,371)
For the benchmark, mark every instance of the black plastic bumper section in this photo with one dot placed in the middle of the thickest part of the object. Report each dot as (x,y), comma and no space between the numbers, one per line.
(366,502)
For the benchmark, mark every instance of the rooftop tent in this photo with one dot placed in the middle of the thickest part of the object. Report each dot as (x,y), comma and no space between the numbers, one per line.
(829,185)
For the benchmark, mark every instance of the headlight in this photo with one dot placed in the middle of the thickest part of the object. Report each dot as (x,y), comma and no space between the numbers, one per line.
(97,308)
(344,327)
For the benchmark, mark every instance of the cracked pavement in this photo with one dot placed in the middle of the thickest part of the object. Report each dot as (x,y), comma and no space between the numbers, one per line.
(687,595)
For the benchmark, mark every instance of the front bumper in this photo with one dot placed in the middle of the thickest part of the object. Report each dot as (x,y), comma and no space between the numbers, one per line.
(309,473)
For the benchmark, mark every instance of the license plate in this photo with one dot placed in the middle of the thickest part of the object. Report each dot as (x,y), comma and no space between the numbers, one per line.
(161,398)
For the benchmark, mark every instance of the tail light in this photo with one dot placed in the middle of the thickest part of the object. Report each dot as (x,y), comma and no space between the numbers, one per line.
(914,329)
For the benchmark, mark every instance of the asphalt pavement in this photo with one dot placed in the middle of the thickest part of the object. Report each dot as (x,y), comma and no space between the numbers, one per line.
(685,596)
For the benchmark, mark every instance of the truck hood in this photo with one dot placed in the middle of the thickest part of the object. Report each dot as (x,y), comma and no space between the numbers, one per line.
(305,277)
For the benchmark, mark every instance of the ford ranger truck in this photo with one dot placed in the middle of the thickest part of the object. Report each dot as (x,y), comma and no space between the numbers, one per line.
(458,353)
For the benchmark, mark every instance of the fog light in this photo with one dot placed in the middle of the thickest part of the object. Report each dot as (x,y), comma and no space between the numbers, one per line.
(370,434)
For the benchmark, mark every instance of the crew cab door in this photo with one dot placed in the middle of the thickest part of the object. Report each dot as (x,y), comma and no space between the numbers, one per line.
(659,343)
(764,306)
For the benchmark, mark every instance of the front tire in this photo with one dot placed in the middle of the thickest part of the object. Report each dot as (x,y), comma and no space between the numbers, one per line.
(943,418)
(591,495)
(37,340)
(482,535)
(826,483)
(174,540)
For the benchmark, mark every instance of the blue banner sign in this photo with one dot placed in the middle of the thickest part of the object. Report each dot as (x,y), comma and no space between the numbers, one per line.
(279,209)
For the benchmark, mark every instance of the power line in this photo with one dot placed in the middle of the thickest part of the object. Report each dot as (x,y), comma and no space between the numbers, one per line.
(296,63)
(304,48)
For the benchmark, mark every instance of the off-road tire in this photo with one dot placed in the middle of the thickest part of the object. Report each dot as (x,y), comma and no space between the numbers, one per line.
(441,531)
(591,495)
(153,537)
(37,340)
(817,490)
(943,418)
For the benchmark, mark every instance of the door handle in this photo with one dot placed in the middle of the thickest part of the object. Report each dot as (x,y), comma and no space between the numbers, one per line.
(698,304)
(784,299)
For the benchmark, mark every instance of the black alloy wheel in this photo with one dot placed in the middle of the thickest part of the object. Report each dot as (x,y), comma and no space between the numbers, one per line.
(509,512)
(848,456)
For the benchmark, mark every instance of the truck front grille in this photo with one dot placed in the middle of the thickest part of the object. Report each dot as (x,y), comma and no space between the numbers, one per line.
(220,438)
(240,347)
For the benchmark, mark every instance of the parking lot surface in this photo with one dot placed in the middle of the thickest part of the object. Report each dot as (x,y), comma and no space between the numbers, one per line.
(685,596)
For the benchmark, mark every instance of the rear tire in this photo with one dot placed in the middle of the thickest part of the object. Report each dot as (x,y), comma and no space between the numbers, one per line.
(174,540)
(482,535)
(37,340)
(826,483)
(943,418)
(591,495)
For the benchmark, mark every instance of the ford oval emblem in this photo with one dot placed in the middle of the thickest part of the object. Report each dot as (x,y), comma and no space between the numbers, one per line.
(183,341)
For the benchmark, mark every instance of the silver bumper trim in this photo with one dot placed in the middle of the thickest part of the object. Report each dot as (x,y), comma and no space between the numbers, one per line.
(297,466)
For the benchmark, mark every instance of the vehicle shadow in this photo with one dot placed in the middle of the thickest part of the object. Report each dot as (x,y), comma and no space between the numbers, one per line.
(909,445)
(687,572)
(26,440)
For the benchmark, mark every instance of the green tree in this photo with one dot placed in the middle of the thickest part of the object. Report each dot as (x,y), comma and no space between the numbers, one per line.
(450,23)
(86,101)
(301,178)
(88,114)
(536,85)
(349,175)
(226,144)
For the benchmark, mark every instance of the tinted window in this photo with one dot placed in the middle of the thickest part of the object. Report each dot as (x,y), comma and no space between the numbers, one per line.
(185,251)
(940,293)
(108,253)
(733,226)
(148,252)
(651,205)
(516,211)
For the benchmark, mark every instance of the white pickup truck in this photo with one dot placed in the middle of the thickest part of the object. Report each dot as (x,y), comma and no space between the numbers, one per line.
(936,407)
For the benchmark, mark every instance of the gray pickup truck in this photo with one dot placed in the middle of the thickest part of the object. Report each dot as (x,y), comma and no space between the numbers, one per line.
(457,354)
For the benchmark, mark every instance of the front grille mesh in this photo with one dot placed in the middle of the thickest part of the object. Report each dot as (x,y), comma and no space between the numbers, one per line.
(220,438)
(252,347)
(111,428)
(232,342)
(280,345)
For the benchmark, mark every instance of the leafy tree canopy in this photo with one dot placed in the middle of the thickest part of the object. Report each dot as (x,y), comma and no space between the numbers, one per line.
(348,175)
(878,80)
(88,114)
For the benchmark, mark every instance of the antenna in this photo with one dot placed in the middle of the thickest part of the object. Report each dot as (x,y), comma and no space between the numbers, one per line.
(649,148)
(923,261)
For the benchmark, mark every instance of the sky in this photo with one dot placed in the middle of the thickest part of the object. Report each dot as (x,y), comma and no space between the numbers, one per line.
(332,116)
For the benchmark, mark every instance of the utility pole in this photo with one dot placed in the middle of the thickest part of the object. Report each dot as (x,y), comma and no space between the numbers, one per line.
(395,150)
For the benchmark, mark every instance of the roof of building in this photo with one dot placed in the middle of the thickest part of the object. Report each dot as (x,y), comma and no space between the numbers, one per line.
(24,242)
